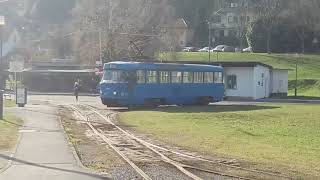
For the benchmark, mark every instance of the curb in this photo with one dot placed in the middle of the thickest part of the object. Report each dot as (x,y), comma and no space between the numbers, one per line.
(291,101)
(63,94)
(74,152)
(70,145)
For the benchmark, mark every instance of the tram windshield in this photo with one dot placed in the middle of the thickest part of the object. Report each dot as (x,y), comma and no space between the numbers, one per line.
(115,76)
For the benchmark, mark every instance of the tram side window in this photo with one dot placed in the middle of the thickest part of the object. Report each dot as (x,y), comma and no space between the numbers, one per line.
(208,77)
(176,77)
(115,76)
(218,77)
(188,77)
(198,77)
(151,77)
(141,78)
(164,77)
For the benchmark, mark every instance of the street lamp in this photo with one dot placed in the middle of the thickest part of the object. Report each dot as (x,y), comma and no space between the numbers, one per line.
(296,81)
(209,25)
(2,23)
(210,39)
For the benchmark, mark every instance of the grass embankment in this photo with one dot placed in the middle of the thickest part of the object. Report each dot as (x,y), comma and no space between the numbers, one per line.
(9,132)
(308,66)
(278,136)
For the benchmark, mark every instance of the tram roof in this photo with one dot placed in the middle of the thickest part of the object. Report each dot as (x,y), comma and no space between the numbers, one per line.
(161,66)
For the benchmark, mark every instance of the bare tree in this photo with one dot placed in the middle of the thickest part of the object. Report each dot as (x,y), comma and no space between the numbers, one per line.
(268,12)
(128,28)
(306,16)
(242,23)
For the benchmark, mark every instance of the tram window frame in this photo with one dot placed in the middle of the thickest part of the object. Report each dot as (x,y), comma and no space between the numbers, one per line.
(167,77)
(154,77)
(115,76)
(176,79)
(190,74)
(198,77)
(140,76)
(208,77)
(218,77)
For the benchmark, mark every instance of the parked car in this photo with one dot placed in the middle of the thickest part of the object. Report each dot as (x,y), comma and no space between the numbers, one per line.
(190,49)
(248,49)
(205,49)
(223,48)
(218,48)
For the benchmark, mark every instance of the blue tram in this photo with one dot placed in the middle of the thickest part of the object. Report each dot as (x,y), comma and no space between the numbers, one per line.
(153,84)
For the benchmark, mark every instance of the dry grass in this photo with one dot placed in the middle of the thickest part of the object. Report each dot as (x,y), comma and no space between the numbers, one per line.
(9,128)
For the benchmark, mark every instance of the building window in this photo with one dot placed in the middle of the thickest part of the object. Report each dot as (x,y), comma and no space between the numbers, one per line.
(218,77)
(141,77)
(233,5)
(208,77)
(176,77)
(198,77)
(232,82)
(230,19)
(151,77)
(164,77)
(188,77)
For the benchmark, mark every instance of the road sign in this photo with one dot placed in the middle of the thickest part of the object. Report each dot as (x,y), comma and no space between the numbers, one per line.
(16,66)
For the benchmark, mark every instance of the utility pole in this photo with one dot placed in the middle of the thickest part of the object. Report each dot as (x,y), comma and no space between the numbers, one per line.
(2,23)
(111,7)
(296,81)
(100,48)
(209,25)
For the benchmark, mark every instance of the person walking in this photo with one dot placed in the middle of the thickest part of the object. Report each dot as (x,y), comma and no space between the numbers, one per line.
(76,90)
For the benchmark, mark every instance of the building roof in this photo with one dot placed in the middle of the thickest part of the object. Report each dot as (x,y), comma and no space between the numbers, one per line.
(220,63)
(62,71)
(242,64)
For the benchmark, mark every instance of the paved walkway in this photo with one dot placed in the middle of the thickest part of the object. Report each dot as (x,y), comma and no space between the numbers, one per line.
(43,152)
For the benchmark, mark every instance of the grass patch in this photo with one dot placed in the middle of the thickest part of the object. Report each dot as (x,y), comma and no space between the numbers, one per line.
(306,87)
(280,135)
(9,132)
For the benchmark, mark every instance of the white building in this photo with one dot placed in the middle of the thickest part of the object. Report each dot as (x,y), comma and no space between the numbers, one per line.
(253,80)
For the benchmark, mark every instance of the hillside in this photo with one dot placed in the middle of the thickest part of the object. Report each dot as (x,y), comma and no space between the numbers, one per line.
(308,66)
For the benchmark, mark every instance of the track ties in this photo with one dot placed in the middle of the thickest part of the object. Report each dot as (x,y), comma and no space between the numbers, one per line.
(105,139)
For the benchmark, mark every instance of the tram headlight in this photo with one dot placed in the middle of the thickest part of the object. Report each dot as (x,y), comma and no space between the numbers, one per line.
(115,93)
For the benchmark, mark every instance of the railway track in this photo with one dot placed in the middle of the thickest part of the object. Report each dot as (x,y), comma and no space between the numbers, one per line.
(136,151)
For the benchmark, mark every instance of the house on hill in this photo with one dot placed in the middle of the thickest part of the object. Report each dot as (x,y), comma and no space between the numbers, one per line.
(230,21)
